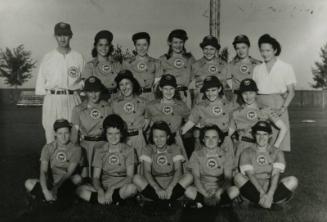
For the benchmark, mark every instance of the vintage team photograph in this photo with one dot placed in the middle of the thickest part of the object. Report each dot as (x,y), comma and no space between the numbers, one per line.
(163,110)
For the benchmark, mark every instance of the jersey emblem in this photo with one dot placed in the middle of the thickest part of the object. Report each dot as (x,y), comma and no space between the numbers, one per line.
(167,110)
(261,160)
(74,72)
(141,66)
(251,115)
(113,159)
(212,69)
(217,110)
(212,163)
(61,157)
(179,63)
(244,68)
(129,107)
(105,68)
(162,160)
(95,114)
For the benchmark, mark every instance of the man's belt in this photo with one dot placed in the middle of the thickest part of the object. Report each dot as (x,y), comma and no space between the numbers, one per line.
(247,139)
(146,90)
(181,88)
(133,133)
(93,138)
(61,91)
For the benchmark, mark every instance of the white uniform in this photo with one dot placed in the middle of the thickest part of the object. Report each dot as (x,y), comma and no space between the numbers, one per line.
(58,79)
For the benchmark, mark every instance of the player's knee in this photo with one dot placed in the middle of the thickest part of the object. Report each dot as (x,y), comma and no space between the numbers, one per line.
(233,192)
(76,179)
(29,184)
(139,181)
(83,193)
(190,192)
(291,182)
(239,180)
(131,190)
(186,180)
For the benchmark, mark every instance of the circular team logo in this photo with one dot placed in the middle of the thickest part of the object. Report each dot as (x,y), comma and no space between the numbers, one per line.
(61,157)
(95,114)
(74,72)
(261,160)
(129,107)
(113,159)
(217,110)
(141,66)
(244,68)
(167,110)
(105,68)
(251,115)
(212,163)
(179,63)
(212,69)
(162,160)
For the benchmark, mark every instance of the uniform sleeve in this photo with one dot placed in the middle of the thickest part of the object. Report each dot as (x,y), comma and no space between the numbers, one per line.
(76,155)
(194,161)
(195,115)
(146,154)
(290,76)
(130,157)
(279,163)
(97,160)
(40,81)
(245,162)
(88,70)
(177,154)
(45,155)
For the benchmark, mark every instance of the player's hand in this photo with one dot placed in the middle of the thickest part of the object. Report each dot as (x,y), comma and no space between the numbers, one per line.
(48,195)
(281,110)
(161,194)
(101,197)
(269,200)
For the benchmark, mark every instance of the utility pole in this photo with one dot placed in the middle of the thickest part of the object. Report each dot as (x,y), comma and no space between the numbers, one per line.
(214,22)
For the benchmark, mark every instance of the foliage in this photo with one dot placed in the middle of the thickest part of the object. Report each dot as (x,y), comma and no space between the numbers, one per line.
(320,70)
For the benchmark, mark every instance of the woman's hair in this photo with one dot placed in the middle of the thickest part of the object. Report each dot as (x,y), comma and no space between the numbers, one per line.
(266,38)
(115,121)
(102,35)
(161,125)
(221,135)
(127,74)
(159,94)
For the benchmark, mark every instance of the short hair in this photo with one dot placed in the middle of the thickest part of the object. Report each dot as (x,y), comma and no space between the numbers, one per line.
(161,125)
(159,95)
(115,121)
(266,38)
(221,134)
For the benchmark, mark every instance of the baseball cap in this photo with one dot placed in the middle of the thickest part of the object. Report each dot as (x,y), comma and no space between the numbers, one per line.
(168,80)
(178,33)
(93,84)
(61,123)
(210,82)
(262,126)
(241,39)
(141,35)
(248,85)
(210,40)
(63,28)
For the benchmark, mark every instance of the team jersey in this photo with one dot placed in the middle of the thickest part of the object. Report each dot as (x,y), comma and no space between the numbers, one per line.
(172,113)
(217,113)
(145,70)
(216,67)
(113,163)
(106,71)
(88,119)
(239,70)
(262,162)
(59,158)
(162,162)
(178,66)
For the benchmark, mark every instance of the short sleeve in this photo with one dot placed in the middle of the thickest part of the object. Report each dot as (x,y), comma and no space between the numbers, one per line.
(177,154)
(76,155)
(290,76)
(97,160)
(146,154)
(45,155)
(130,156)
(245,162)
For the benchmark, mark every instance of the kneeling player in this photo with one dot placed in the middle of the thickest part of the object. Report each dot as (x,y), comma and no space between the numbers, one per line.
(261,166)
(59,161)
(113,165)
(162,179)
(212,170)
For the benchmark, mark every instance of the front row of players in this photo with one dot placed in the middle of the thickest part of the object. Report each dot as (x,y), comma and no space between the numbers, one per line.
(163,174)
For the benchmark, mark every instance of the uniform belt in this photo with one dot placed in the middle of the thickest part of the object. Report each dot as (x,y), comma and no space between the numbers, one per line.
(133,133)
(93,138)
(146,90)
(118,175)
(247,139)
(61,92)
(164,174)
(111,91)
(181,88)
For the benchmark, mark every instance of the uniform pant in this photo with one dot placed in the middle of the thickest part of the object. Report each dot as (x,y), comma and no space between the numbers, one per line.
(57,107)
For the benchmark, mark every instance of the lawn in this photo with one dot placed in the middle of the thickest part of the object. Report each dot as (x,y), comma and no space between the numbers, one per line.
(22,137)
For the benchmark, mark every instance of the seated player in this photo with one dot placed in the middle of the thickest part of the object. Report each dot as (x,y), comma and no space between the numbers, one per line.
(113,166)
(163,179)
(212,170)
(261,166)
(59,163)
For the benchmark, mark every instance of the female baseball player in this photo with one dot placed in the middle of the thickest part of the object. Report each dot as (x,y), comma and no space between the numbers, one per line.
(103,65)
(248,114)
(87,119)
(113,166)
(178,63)
(212,170)
(162,179)
(261,166)
(144,68)
(131,107)
(209,65)
(214,109)
(58,169)
(276,82)
(169,108)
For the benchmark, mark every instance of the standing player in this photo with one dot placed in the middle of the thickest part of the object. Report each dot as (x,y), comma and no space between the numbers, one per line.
(261,166)
(113,166)
(144,68)
(103,65)
(131,107)
(59,162)
(87,119)
(248,114)
(209,65)
(59,79)
(169,108)
(178,63)
(212,170)
(276,82)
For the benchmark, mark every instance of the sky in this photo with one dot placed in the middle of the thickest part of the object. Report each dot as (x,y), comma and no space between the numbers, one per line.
(299,25)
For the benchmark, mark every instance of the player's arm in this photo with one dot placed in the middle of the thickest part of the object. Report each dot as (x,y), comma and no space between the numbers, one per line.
(197,182)
(278,168)
(176,177)
(96,180)
(71,169)
(43,180)
(282,132)
(187,126)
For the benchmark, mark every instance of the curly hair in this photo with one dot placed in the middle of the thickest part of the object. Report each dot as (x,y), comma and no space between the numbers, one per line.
(161,125)
(221,134)
(115,121)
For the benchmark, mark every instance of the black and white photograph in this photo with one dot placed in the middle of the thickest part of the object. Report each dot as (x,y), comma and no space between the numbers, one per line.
(163,110)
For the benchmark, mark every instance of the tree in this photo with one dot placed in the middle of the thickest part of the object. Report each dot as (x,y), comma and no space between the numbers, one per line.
(320,70)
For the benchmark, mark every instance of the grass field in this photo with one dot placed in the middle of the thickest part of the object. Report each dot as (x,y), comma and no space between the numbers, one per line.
(22,137)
